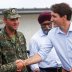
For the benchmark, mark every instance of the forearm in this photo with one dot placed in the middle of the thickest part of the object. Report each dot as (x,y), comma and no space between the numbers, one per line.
(34,59)
(23,63)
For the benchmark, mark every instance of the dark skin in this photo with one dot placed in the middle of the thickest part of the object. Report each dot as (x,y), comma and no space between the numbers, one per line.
(46,26)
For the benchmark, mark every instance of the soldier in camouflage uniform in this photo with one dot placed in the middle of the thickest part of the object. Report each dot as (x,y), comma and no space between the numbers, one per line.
(12,42)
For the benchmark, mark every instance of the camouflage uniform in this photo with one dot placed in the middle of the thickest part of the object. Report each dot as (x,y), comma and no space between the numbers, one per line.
(11,50)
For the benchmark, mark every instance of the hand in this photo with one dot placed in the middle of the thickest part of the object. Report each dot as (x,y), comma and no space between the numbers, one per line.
(19,64)
(37,70)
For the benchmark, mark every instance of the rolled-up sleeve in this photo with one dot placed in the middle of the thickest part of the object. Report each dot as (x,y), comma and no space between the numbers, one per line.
(46,47)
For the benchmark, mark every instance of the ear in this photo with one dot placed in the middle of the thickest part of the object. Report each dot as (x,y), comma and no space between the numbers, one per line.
(4,19)
(65,17)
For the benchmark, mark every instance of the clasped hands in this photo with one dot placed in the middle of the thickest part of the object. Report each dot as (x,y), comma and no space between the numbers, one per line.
(20,64)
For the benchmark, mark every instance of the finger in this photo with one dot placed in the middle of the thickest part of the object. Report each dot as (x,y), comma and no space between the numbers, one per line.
(18,60)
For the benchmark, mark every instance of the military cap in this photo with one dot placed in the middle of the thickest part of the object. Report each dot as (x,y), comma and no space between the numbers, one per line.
(10,13)
(44,16)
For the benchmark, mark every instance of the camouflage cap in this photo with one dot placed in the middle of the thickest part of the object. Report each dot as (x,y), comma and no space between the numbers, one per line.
(11,13)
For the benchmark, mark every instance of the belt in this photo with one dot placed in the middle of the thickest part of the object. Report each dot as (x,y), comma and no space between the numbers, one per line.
(58,69)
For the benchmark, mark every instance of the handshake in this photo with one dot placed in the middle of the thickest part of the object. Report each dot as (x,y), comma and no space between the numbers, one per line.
(23,63)
(20,64)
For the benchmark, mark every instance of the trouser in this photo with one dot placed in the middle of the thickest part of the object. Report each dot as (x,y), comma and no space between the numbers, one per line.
(51,69)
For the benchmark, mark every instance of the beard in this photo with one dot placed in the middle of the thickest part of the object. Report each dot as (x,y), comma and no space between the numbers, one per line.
(45,31)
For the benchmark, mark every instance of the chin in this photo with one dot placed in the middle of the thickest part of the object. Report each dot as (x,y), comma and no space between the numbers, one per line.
(15,28)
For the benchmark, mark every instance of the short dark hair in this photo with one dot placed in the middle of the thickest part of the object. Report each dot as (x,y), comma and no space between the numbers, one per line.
(62,9)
